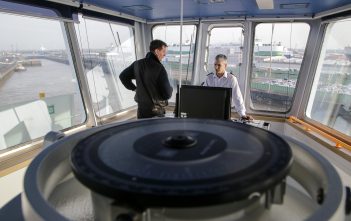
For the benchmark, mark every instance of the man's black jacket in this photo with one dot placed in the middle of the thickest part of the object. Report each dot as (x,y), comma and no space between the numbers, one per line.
(152,84)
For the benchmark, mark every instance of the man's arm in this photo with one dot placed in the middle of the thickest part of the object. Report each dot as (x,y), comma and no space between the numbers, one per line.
(164,86)
(126,77)
(207,81)
(237,98)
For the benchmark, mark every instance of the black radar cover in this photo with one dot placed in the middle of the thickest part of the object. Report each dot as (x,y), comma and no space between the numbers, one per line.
(181,162)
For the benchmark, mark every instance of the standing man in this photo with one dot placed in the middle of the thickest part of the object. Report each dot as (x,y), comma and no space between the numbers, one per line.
(152,85)
(224,79)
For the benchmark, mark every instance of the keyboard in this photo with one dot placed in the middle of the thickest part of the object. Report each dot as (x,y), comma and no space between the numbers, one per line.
(256,123)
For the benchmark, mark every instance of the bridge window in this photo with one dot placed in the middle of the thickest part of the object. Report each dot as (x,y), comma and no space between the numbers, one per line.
(278,52)
(38,86)
(228,41)
(107,49)
(170,34)
(330,98)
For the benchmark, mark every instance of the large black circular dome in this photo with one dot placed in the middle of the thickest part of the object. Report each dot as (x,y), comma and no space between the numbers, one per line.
(180,162)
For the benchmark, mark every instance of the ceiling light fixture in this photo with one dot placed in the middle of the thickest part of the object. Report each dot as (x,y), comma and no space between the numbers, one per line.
(216,1)
(138,7)
(294,6)
(235,12)
(265,4)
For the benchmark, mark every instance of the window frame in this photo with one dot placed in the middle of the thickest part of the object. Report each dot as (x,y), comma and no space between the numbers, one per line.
(65,35)
(105,21)
(250,66)
(195,40)
(313,71)
(22,152)
(237,24)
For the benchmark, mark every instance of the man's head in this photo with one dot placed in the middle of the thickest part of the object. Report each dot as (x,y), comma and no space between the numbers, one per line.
(159,48)
(220,64)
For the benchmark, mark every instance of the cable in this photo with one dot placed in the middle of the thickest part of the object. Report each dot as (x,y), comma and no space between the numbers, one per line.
(124,63)
(181,38)
(191,42)
(92,69)
(288,77)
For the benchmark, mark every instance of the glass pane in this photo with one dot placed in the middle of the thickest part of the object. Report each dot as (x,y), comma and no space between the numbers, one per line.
(38,86)
(330,99)
(228,41)
(171,35)
(107,49)
(277,56)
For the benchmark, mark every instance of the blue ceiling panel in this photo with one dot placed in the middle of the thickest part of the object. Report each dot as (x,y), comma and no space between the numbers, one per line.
(170,9)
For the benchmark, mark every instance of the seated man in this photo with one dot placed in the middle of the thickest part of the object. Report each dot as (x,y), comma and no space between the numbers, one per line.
(224,79)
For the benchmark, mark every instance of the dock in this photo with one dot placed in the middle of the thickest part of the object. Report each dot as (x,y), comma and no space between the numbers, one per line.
(30,62)
(6,70)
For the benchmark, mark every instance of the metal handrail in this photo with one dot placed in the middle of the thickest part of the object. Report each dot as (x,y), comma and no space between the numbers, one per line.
(309,127)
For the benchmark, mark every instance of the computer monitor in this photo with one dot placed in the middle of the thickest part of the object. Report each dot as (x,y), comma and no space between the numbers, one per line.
(204,102)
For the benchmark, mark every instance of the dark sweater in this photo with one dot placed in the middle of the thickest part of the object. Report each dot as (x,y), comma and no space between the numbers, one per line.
(152,82)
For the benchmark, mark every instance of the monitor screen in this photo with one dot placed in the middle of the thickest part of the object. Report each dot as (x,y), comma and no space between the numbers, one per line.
(204,102)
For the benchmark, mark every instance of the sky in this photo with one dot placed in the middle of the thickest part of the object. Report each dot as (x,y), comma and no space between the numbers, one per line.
(340,35)
(100,36)
(27,33)
(171,33)
(299,34)
(226,35)
(291,35)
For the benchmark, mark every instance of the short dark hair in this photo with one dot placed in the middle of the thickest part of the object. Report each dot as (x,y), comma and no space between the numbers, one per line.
(221,56)
(157,44)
